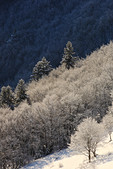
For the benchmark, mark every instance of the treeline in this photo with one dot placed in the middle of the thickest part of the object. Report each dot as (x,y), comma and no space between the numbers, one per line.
(11,99)
(59,100)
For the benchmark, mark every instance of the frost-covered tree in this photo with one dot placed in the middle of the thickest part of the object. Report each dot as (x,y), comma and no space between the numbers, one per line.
(20,91)
(6,97)
(68,60)
(58,120)
(42,68)
(89,134)
(108,124)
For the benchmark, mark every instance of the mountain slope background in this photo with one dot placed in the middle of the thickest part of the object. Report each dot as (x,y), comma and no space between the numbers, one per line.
(31,29)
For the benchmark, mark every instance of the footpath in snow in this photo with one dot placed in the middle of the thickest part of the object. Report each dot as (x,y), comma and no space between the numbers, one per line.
(67,159)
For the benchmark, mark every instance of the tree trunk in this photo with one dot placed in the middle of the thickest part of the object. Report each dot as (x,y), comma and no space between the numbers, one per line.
(94,153)
(110,137)
(89,155)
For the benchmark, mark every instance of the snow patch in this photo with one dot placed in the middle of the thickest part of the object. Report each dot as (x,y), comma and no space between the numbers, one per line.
(67,159)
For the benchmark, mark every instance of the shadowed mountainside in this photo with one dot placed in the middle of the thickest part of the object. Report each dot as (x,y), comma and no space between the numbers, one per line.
(31,29)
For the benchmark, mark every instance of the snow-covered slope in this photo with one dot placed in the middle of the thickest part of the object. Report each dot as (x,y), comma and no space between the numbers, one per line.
(67,159)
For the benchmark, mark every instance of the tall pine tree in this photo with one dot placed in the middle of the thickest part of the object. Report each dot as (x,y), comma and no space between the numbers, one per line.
(68,60)
(6,97)
(20,91)
(42,68)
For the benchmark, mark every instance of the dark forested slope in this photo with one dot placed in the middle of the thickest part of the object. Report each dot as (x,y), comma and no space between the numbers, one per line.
(31,29)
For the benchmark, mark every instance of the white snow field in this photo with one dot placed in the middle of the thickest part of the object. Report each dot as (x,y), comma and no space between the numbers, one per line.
(67,159)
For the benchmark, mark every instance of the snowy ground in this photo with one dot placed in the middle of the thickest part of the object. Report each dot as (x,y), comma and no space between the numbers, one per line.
(67,159)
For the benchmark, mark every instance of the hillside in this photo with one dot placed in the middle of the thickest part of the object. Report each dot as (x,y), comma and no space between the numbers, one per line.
(31,29)
(58,104)
(66,159)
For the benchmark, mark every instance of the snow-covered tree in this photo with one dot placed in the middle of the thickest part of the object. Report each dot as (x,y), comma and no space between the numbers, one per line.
(68,60)
(108,124)
(89,134)
(20,91)
(42,68)
(6,97)
(58,120)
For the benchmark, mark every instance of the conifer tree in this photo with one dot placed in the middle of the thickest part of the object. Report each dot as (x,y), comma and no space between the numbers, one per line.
(42,68)
(6,97)
(68,60)
(20,91)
